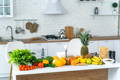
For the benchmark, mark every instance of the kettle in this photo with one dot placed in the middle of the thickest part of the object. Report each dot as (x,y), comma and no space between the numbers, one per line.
(62,34)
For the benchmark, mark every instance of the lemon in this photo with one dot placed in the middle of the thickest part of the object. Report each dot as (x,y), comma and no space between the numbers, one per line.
(58,62)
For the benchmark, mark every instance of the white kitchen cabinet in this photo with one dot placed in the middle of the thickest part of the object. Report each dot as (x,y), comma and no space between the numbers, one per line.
(53,48)
(4,70)
(6,8)
(37,48)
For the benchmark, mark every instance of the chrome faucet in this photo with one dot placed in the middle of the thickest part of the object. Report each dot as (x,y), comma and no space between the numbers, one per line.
(10,27)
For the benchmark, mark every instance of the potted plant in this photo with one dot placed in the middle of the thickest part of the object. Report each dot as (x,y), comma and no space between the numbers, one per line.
(114,5)
(84,37)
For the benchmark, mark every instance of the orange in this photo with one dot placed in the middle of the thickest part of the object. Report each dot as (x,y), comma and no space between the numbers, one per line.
(73,63)
(71,59)
(63,60)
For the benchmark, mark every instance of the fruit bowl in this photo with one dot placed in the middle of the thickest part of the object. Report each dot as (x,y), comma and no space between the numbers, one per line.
(108,61)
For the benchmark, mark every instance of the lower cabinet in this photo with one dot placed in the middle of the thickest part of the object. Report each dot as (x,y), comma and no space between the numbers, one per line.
(4,70)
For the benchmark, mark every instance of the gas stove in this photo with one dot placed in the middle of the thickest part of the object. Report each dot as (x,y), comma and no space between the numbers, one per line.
(53,37)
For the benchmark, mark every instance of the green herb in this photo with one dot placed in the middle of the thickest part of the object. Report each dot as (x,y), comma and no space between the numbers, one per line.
(49,65)
(49,58)
(22,57)
(39,60)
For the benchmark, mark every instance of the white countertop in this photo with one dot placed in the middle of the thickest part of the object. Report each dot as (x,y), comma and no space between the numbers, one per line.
(64,69)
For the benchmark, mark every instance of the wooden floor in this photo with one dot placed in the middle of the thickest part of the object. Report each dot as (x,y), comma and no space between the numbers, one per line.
(73,75)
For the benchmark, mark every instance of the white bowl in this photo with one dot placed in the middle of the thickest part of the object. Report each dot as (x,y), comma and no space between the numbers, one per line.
(108,61)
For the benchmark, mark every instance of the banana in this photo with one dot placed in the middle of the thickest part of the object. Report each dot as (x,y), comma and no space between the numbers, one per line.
(95,63)
(95,60)
(100,63)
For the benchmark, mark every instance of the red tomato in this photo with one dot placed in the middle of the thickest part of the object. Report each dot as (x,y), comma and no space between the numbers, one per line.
(25,69)
(20,66)
(36,64)
(41,65)
(24,66)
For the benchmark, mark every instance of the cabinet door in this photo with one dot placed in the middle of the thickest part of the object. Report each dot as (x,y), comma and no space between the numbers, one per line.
(53,48)
(37,48)
(4,70)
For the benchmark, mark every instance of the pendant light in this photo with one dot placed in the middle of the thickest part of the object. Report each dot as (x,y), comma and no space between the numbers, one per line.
(54,7)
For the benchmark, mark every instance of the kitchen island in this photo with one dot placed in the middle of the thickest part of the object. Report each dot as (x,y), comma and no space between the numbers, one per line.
(89,72)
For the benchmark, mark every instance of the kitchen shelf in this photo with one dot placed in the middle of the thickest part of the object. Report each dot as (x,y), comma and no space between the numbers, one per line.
(106,15)
(91,1)
(25,20)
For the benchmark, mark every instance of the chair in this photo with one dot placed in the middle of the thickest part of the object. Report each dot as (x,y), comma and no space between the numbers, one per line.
(10,47)
(74,47)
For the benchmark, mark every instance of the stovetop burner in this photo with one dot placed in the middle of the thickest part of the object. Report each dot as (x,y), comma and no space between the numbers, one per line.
(52,37)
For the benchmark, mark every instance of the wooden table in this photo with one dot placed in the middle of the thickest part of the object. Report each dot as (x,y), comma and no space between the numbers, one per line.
(90,72)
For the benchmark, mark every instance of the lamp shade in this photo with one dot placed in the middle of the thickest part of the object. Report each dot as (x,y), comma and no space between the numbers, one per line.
(54,7)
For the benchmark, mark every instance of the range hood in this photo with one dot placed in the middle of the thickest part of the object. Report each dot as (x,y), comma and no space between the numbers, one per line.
(54,7)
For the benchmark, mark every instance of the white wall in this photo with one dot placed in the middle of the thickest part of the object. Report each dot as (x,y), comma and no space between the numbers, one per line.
(77,14)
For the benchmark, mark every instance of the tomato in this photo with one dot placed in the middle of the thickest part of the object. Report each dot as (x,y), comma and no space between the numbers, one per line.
(41,65)
(34,67)
(36,64)
(27,67)
(30,68)
(20,66)
(24,66)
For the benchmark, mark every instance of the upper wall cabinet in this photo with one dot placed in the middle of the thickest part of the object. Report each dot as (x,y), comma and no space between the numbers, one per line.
(6,8)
